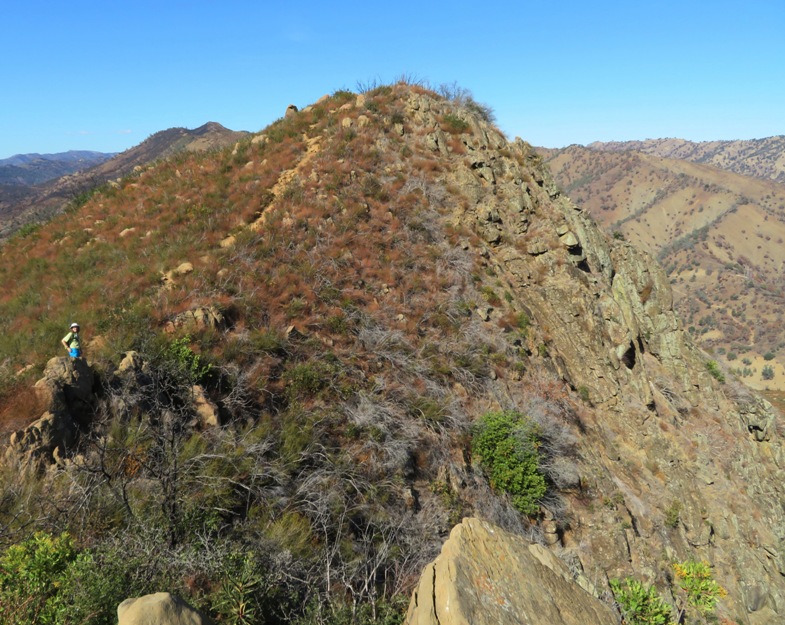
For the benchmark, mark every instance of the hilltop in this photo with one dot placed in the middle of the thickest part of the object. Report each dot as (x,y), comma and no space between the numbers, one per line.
(718,234)
(312,353)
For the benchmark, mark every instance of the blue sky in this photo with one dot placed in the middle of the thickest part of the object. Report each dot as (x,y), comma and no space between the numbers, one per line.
(106,75)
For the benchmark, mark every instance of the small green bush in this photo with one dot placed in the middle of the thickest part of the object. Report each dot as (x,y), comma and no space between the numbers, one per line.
(183,357)
(673,514)
(506,444)
(454,124)
(47,581)
(30,574)
(640,605)
(697,581)
(714,369)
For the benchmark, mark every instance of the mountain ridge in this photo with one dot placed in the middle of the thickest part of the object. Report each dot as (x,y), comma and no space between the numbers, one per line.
(717,233)
(760,158)
(352,292)
(33,169)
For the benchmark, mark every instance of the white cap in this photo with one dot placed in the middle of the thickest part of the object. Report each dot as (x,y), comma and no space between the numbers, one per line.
(74,325)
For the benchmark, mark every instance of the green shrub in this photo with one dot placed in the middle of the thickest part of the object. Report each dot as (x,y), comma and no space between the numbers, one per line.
(714,369)
(697,581)
(455,124)
(673,514)
(183,357)
(47,581)
(767,373)
(639,604)
(306,379)
(30,574)
(506,444)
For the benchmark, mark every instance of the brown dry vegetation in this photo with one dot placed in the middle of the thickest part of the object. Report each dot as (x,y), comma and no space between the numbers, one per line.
(351,348)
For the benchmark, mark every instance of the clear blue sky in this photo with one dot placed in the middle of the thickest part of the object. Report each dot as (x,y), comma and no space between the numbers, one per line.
(105,75)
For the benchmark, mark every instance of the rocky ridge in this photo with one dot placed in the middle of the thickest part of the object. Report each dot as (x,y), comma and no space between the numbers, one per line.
(665,462)
(663,433)
(716,232)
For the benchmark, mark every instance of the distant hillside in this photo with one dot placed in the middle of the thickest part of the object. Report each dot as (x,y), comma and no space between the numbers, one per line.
(719,235)
(760,158)
(32,169)
(35,204)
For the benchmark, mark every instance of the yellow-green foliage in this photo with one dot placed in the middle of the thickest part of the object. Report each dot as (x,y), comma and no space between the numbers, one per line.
(641,605)
(698,583)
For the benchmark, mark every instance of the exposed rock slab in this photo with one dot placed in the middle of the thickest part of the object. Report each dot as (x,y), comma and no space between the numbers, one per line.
(485,575)
(160,608)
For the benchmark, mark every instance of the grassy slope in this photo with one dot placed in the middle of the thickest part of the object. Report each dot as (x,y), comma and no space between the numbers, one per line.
(351,368)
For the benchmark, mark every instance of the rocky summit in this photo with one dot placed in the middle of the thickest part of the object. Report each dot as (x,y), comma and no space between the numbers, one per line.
(311,354)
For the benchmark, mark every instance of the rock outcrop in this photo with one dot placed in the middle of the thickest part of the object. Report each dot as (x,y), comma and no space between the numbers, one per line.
(66,391)
(485,575)
(159,609)
(674,463)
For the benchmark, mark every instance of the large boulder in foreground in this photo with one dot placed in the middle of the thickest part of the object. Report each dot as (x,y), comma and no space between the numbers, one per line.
(160,608)
(486,576)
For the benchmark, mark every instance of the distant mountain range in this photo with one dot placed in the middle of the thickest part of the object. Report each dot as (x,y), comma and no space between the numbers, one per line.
(32,169)
(759,158)
(32,190)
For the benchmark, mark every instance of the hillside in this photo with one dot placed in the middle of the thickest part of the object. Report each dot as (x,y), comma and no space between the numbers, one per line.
(718,234)
(757,158)
(310,354)
(27,205)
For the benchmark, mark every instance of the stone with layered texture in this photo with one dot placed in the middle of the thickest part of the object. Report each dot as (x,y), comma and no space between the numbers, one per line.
(485,575)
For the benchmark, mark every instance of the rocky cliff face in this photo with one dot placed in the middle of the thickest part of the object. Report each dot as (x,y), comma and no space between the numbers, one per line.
(673,464)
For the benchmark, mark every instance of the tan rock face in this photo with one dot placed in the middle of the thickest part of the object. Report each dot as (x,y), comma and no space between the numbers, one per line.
(159,609)
(485,575)
(673,463)
(66,391)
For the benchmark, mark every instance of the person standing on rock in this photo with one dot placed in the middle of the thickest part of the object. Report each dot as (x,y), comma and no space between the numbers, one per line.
(71,342)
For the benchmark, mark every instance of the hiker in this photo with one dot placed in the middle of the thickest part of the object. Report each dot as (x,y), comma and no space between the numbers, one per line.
(71,342)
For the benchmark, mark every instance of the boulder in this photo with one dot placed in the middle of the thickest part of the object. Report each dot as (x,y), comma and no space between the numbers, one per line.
(160,608)
(206,410)
(66,392)
(200,318)
(487,576)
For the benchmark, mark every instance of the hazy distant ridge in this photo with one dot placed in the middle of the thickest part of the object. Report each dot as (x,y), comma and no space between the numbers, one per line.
(760,158)
(32,169)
